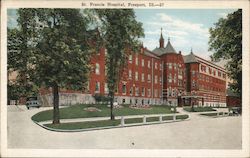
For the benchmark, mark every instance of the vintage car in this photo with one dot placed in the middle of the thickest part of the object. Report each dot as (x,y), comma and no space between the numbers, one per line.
(32,102)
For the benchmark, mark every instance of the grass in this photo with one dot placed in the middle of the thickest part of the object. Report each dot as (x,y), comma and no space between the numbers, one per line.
(210,114)
(133,120)
(164,118)
(77,111)
(84,125)
(107,123)
(199,109)
(180,117)
(152,119)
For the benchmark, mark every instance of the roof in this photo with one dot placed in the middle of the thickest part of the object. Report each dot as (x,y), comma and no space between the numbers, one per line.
(149,53)
(191,58)
(168,49)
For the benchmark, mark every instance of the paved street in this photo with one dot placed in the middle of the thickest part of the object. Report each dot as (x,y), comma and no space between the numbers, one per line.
(199,132)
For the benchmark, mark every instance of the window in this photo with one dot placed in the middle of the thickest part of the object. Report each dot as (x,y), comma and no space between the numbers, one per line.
(160,79)
(116,89)
(156,79)
(219,73)
(130,58)
(149,92)
(106,89)
(193,84)
(136,61)
(130,74)
(156,65)
(210,71)
(175,66)
(169,92)
(179,82)
(136,76)
(97,86)
(179,72)
(142,77)
(142,62)
(170,78)
(156,93)
(136,91)
(149,78)
(97,69)
(148,64)
(124,89)
(143,91)
(193,72)
(173,92)
(131,91)
(106,70)
(170,65)
(106,52)
(175,78)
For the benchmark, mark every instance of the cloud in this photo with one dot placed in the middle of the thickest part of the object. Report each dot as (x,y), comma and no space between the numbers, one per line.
(179,24)
(183,34)
(222,15)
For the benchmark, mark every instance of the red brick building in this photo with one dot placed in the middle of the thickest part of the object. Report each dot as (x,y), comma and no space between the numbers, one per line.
(141,81)
(161,76)
(206,82)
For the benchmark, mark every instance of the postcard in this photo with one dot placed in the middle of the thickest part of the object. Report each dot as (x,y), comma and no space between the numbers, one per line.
(124,78)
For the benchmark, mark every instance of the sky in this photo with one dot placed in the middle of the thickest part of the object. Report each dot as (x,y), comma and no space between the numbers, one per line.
(187,28)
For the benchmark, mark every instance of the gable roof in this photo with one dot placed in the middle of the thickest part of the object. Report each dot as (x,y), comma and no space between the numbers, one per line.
(149,53)
(190,58)
(168,49)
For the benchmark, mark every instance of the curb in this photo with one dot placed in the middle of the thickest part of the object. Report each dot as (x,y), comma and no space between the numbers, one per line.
(108,127)
(215,116)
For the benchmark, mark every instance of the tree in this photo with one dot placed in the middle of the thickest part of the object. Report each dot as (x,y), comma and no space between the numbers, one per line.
(226,42)
(18,51)
(120,33)
(60,48)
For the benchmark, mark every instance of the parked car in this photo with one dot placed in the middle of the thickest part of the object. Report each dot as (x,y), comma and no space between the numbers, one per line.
(32,102)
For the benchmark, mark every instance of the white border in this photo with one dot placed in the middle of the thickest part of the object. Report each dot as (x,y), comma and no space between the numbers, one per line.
(132,152)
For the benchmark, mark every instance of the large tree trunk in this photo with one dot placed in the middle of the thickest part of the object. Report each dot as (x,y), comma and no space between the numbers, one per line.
(56,115)
(112,116)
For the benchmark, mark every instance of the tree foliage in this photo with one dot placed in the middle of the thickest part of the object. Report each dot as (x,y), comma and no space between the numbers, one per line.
(226,42)
(120,33)
(54,50)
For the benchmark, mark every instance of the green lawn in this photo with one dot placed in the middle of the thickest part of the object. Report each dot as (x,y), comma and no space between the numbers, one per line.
(106,123)
(84,125)
(209,114)
(133,120)
(179,117)
(164,118)
(152,119)
(77,111)
(199,109)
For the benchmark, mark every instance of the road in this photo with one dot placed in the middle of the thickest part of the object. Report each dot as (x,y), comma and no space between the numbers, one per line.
(199,132)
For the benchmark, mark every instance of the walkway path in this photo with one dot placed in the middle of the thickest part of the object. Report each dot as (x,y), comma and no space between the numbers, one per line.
(202,133)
